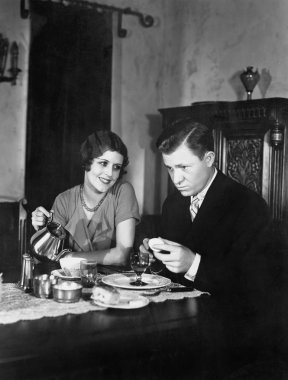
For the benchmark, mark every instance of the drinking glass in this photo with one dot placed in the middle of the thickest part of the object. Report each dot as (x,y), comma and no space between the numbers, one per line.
(156,266)
(88,272)
(139,262)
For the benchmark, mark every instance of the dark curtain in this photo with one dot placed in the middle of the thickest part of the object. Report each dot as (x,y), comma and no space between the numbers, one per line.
(69,95)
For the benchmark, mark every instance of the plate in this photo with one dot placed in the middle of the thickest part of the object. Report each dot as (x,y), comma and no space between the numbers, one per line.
(61,274)
(119,280)
(131,301)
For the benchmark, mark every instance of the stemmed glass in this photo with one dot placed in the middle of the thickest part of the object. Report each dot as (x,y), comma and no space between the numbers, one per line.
(88,272)
(156,266)
(139,262)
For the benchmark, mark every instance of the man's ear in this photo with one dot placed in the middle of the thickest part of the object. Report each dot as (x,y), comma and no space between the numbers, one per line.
(209,158)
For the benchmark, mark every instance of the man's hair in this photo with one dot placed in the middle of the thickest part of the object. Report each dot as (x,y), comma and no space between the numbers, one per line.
(97,144)
(195,136)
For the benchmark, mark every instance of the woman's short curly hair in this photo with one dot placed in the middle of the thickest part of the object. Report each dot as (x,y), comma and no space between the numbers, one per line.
(97,144)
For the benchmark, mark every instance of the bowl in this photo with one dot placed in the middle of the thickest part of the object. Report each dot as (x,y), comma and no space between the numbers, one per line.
(67,292)
(71,265)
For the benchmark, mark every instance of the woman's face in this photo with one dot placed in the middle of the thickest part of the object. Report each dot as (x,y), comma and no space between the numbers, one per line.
(104,172)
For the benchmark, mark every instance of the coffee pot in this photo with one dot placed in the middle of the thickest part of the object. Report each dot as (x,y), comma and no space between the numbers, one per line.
(47,244)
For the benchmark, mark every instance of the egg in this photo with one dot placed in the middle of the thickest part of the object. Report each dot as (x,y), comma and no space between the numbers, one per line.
(155,241)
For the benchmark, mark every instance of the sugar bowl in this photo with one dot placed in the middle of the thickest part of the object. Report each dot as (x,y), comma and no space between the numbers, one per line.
(43,285)
(67,292)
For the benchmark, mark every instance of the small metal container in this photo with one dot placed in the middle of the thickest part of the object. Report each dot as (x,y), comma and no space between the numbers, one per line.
(67,292)
(43,284)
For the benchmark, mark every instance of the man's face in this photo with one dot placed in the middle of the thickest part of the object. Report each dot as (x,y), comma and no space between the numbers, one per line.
(188,172)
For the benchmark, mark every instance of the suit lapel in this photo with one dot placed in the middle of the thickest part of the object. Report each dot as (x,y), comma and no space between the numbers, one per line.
(211,211)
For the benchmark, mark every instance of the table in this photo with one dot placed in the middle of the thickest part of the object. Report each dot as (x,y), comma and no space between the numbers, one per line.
(112,343)
(190,338)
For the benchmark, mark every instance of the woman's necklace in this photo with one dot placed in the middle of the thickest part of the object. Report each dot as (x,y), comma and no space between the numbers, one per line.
(93,209)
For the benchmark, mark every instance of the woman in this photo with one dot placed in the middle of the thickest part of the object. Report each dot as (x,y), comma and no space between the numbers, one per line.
(101,213)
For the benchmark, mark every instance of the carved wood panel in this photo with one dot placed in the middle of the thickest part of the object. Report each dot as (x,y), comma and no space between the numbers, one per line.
(244,162)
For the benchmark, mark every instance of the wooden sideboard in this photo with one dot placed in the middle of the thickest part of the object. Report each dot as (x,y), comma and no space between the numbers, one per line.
(251,143)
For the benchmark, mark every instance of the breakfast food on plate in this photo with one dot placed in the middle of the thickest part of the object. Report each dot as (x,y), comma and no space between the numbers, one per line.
(106,294)
(155,241)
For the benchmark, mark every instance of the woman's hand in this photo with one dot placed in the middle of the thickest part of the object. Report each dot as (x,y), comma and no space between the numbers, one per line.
(39,217)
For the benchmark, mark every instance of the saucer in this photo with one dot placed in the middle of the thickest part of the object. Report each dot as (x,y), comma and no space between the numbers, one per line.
(61,274)
(126,301)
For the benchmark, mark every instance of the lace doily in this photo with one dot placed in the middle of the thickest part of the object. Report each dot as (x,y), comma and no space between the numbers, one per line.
(166,295)
(17,305)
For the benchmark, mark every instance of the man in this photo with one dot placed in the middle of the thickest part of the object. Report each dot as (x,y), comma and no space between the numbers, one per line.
(214,229)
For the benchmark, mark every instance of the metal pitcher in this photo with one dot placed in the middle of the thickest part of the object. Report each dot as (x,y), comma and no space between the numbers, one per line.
(48,243)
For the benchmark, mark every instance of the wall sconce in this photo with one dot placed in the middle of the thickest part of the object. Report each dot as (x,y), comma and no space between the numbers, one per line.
(277,135)
(14,52)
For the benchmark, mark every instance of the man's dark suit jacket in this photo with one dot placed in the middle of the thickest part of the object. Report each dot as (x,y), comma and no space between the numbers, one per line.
(230,232)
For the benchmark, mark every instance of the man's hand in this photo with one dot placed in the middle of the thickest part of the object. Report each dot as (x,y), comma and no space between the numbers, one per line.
(180,258)
(145,248)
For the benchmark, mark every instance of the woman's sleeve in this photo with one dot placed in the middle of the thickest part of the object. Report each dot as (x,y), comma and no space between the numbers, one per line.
(60,210)
(126,203)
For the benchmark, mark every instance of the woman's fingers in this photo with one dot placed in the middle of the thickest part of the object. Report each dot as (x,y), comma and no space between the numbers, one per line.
(39,217)
(42,210)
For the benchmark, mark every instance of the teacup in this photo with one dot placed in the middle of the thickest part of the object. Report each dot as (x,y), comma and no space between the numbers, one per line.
(71,266)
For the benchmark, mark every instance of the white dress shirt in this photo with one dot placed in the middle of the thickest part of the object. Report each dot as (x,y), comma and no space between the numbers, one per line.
(192,271)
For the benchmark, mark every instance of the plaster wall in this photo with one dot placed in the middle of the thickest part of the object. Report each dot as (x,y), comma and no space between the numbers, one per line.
(209,43)
(13,104)
(136,96)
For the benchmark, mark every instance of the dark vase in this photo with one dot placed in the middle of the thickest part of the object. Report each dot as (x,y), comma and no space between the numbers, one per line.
(249,79)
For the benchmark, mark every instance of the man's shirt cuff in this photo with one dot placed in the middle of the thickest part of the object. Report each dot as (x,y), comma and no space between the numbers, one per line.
(192,271)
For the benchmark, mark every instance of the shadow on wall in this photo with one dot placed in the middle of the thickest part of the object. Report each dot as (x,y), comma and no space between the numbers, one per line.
(153,166)
(237,85)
